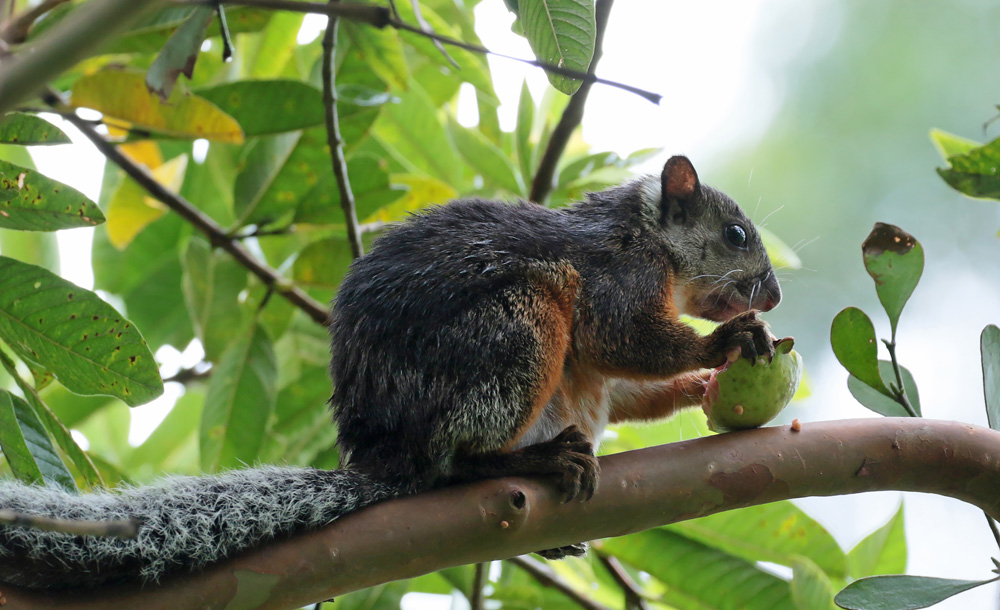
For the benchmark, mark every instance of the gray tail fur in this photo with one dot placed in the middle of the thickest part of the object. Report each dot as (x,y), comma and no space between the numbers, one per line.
(186,523)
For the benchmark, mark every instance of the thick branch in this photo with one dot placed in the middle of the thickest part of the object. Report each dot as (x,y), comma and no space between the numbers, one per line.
(639,489)
(334,139)
(15,30)
(571,116)
(68,42)
(211,229)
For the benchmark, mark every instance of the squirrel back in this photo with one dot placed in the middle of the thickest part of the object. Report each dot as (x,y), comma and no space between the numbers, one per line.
(477,339)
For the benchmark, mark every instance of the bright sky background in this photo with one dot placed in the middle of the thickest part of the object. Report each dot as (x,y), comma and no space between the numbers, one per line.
(719,93)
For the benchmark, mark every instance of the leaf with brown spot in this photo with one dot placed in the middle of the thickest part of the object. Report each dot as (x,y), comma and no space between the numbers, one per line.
(30,201)
(895,260)
(67,341)
(180,53)
(26,129)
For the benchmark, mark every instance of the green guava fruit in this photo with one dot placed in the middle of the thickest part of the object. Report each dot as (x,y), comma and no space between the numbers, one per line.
(740,396)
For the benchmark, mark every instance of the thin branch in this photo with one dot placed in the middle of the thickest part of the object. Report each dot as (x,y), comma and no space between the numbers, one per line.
(125,528)
(382,18)
(547,577)
(334,139)
(634,598)
(501,518)
(373,226)
(185,376)
(56,50)
(542,185)
(478,594)
(993,528)
(900,389)
(215,233)
(426,27)
(15,30)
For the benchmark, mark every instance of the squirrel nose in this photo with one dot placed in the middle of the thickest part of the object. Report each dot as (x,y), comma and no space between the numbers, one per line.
(773,292)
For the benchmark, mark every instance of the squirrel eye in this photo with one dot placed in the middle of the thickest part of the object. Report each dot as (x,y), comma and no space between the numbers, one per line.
(736,235)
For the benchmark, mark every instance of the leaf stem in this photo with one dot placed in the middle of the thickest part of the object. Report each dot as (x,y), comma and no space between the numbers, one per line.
(900,390)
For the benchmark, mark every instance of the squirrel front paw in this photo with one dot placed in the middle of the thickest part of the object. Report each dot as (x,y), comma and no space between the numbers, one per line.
(745,332)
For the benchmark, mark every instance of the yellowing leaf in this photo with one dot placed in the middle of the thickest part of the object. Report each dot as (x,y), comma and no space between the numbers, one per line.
(423,192)
(143,152)
(122,95)
(131,209)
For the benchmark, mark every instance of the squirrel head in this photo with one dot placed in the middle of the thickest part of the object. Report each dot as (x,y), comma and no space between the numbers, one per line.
(720,265)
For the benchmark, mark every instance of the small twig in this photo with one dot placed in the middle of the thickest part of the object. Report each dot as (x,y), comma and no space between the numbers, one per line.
(993,528)
(477,596)
(634,599)
(426,27)
(126,528)
(185,376)
(900,389)
(15,29)
(334,139)
(258,232)
(211,229)
(380,16)
(227,40)
(373,226)
(571,116)
(547,577)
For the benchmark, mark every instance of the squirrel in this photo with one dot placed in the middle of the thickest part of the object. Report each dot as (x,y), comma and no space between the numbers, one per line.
(477,339)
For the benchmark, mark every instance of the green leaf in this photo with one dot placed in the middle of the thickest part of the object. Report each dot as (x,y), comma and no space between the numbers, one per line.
(212,284)
(239,402)
(781,254)
(25,129)
(692,572)
(147,277)
(411,129)
(895,260)
(380,597)
(811,588)
(522,131)
(323,263)
(902,592)
(989,344)
(880,403)
(180,53)
(778,532)
(277,45)
(264,107)
(975,172)
(881,552)
(27,446)
(173,445)
(853,338)
(91,348)
(59,432)
(30,201)
(382,50)
(486,158)
(257,199)
(561,33)
(369,182)
(302,427)
(949,145)
(15,446)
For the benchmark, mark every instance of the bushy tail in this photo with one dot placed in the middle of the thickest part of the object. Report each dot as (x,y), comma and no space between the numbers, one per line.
(186,523)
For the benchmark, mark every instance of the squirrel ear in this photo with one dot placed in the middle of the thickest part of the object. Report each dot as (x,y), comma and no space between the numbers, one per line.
(679,180)
(678,187)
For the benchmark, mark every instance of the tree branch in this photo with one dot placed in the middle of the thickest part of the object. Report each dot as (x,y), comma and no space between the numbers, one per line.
(384,18)
(58,49)
(541,186)
(477,595)
(334,139)
(547,577)
(15,30)
(215,233)
(124,528)
(633,594)
(503,518)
